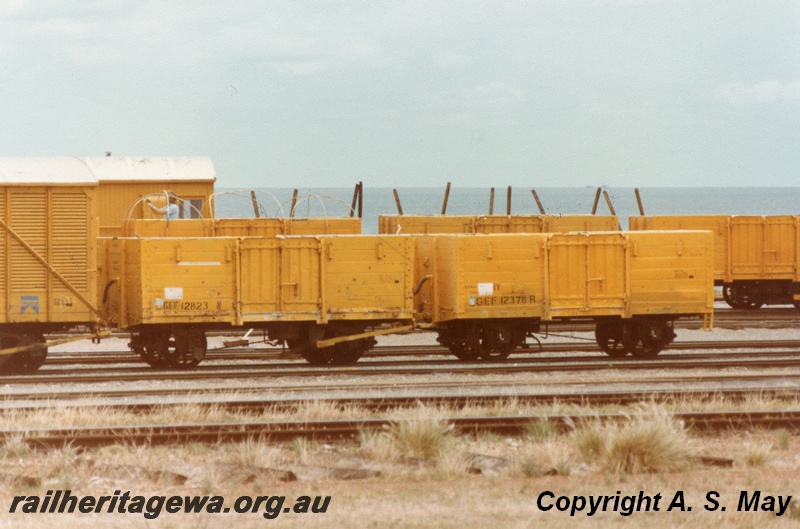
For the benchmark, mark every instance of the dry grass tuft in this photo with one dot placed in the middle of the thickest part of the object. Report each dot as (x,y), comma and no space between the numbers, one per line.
(590,440)
(305,449)
(541,430)
(378,446)
(650,441)
(313,410)
(253,453)
(757,454)
(782,438)
(15,447)
(67,469)
(421,432)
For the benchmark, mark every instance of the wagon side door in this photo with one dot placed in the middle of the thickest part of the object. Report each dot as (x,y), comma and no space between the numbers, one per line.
(779,247)
(747,247)
(586,274)
(260,278)
(300,278)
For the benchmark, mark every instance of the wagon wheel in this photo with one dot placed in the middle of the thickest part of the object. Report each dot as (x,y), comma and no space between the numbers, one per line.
(340,354)
(179,350)
(465,344)
(745,296)
(464,352)
(316,357)
(151,348)
(497,343)
(188,350)
(608,334)
(727,295)
(645,339)
(27,361)
(496,351)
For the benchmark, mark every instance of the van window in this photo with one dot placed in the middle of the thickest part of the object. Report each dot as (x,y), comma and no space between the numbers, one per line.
(191,208)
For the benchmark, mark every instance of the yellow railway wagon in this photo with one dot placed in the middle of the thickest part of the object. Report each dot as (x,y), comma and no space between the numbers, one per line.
(718,225)
(304,290)
(122,182)
(48,226)
(488,292)
(238,227)
(437,224)
(52,211)
(755,257)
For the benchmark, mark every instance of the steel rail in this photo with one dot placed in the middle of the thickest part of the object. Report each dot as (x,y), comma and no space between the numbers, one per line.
(11,399)
(757,360)
(734,358)
(388,403)
(349,429)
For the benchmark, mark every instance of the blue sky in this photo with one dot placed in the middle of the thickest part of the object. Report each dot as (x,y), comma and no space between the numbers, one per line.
(413,93)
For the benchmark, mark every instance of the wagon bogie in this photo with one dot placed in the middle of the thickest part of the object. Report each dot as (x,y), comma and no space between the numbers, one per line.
(340,354)
(608,335)
(483,340)
(304,340)
(178,348)
(750,295)
(646,337)
(642,337)
(498,341)
(746,295)
(30,355)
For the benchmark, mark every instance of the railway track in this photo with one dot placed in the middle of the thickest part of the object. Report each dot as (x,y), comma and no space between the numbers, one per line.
(755,358)
(778,358)
(349,429)
(386,403)
(116,357)
(377,397)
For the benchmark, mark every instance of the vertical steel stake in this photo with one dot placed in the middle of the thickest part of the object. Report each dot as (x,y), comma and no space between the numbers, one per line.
(397,201)
(446,197)
(538,202)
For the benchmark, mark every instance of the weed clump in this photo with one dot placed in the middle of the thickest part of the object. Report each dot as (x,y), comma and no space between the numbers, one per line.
(541,430)
(423,433)
(757,455)
(650,441)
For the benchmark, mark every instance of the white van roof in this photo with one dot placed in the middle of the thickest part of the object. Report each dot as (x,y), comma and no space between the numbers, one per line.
(71,170)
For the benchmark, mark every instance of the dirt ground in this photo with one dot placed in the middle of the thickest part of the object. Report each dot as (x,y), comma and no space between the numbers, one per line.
(409,494)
